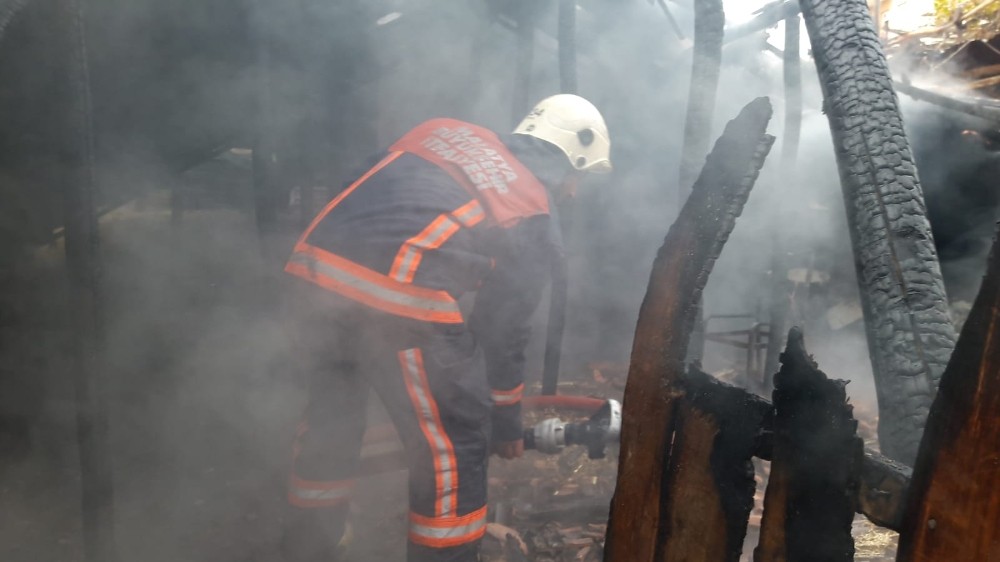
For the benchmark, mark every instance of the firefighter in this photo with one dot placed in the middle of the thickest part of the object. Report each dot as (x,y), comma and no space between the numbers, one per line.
(449,209)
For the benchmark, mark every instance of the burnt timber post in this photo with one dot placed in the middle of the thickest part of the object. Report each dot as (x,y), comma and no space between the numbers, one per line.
(76,152)
(710,474)
(640,507)
(560,275)
(815,462)
(954,509)
(706,61)
(910,334)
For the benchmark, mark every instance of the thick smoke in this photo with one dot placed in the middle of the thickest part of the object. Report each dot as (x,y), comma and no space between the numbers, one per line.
(204,387)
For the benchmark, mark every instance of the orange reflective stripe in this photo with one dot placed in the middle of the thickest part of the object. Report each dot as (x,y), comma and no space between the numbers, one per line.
(441,532)
(442,451)
(312,493)
(404,267)
(470,214)
(507,397)
(336,200)
(372,288)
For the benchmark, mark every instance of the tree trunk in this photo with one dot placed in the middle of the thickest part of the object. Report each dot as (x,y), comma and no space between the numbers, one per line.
(910,335)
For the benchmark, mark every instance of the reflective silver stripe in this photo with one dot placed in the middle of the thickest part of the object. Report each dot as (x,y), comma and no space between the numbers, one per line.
(338,493)
(432,240)
(438,441)
(448,532)
(377,291)
(506,398)
(472,215)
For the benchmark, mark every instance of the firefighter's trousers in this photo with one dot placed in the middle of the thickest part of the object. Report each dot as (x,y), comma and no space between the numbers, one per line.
(431,379)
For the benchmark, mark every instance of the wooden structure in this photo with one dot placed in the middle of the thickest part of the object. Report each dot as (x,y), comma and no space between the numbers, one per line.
(642,511)
(954,511)
(685,483)
(697,506)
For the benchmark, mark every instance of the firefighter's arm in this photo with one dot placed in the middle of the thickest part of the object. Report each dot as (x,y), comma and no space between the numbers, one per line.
(501,321)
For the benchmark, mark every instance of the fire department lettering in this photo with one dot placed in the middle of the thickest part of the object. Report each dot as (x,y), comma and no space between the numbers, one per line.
(485,167)
(479,161)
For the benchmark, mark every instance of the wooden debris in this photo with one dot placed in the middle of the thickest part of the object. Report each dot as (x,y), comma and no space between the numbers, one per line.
(882,491)
(710,476)
(680,271)
(810,501)
(955,496)
(503,533)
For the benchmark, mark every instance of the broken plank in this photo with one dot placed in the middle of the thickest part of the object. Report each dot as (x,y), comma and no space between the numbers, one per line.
(710,478)
(679,274)
(955,495)
(810,501)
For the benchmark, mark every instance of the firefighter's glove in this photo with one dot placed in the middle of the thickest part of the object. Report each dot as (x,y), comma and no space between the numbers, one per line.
(506,423)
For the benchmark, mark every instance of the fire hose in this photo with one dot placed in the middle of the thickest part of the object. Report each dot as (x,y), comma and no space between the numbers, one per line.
(381,452)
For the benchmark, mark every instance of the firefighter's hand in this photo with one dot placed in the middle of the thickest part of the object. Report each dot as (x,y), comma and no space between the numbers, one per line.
(509,449)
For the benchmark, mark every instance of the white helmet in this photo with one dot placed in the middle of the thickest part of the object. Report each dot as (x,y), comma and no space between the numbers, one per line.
(575,126)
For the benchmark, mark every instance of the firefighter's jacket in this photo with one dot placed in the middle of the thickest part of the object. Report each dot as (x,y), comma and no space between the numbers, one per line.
(447,210)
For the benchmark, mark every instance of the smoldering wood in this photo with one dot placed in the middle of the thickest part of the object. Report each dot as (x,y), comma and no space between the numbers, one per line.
(954,502)
(567,46)
(987,109)
(764,18)
(810,501)
(909,329)
(671,19)
(709,21)
(781,288)
(86,304)
(524,60)
(680,271)
(556,326)
(706,60)
(882,491)
(710,475)
(560,276)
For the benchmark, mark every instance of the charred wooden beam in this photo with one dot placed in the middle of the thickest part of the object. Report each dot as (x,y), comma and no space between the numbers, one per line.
(986,109)
(710,477)
(706,61)
(908,324)
(954,504)
(768,16)
(810,501)
(680,271)
(567,46)
(525,58)
(709,21)
(883,486)
(83,264)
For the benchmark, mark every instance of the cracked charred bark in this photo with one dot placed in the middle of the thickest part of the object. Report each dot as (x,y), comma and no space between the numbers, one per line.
(910,335)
